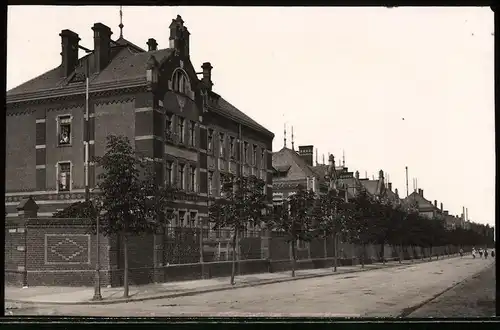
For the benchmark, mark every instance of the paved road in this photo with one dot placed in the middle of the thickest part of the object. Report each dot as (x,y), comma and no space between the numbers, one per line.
(384,292)
(474,297)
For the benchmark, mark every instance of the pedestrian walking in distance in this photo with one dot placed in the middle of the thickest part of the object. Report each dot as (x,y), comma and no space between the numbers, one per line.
(473,253)
(461,253)
(493,253)
(485,254)
(480,253)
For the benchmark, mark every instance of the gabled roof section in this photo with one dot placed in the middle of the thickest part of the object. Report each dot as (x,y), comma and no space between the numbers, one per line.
(226,109)
(373,187)
(420,200)
(298,170)
(128,63)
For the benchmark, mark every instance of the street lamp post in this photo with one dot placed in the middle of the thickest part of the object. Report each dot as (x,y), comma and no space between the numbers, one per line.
(97,284)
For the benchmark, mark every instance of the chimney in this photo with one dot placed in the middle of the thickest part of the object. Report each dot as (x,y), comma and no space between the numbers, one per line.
(396,192)
(389,185)
(306,153)
(357,175)
(435,203)
(466,214)
(102,47)
(463,213)
(152,45)
(421,192)
(69,52)
(445,212)
(207,75)
(441,207)
(381,175)
(179,36)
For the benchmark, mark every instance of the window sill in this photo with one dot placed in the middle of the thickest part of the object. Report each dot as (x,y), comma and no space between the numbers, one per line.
(64,145)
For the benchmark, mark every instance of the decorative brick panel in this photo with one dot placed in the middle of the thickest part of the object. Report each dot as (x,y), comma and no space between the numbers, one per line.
(67,249)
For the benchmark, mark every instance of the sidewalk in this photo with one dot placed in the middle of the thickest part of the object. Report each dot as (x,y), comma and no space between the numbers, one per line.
(83,295)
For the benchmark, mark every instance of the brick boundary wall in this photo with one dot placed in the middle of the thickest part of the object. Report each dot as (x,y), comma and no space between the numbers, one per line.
(62,252)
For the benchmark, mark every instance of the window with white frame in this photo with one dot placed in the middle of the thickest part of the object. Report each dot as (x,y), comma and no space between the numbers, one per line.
(169,175)
(192,134)
(64,176)
(182,218)
(181,180)
(245,152)
(210,140)
(192,178)
(64,130)
(180,82)
(181,124)
(231,147)
(169,129)
(210,182)
(221,145)
(192,218)
(254,155)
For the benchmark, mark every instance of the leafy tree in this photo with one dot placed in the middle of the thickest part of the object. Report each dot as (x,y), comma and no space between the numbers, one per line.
(332,212)
(242,202)
(295,219)
(130,197)
(82,210)
(362,227)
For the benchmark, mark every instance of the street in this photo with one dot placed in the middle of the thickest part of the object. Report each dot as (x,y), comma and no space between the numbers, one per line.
(386,292)
(475,297)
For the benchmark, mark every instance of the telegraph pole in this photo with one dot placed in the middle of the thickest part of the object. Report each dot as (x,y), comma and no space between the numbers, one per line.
(406,168)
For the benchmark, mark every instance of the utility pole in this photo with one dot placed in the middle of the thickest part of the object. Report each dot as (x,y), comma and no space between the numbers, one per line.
(97,284)
(406,168)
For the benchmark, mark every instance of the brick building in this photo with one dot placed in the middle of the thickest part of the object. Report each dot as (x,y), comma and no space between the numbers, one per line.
(154,97)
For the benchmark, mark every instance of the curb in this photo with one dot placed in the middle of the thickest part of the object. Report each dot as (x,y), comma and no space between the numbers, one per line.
(218,289)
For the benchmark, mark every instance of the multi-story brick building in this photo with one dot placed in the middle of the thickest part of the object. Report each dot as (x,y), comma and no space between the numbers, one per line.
(154,97)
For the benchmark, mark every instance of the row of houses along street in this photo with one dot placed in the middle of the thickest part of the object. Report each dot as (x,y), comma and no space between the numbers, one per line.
(157,98)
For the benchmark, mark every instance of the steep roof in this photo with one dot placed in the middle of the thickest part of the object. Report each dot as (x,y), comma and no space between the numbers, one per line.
(128,63)
(228,110)
(299,169)
(420,200)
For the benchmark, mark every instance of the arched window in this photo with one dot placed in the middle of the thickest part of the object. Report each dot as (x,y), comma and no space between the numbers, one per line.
(180,82)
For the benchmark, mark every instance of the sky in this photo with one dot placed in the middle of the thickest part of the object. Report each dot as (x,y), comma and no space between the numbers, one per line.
(389,88)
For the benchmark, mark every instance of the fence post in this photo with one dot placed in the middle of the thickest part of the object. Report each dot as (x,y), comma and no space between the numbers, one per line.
(26,209)
(202,263)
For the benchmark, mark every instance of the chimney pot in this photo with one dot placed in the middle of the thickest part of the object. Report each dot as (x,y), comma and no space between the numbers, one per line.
(306,153)
(152,45)
(435,203)
(69,52)
(102,47)
(207,75)
(441,207)
(396,191)
(390,186)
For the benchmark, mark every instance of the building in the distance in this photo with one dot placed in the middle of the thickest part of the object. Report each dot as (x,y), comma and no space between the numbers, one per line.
(152,96)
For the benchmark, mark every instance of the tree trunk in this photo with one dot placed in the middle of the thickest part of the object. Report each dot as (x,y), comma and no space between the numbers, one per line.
(125,266)
(233,270)
(363,255)
(383,253)
(294,259)
(430,253)
(335,252)
(400,252)
(325,252)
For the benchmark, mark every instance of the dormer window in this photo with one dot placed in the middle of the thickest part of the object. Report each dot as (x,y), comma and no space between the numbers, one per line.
(180,82)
